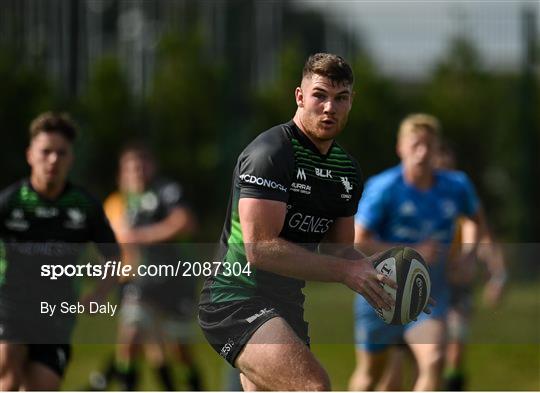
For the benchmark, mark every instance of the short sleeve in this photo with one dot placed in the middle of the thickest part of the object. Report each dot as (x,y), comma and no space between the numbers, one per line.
(469,201)
(372,206)
(265,169)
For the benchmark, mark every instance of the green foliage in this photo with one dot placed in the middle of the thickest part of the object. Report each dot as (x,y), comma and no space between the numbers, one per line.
(274,102)
(376,112)
(109,119)
(477,110)
(24,94)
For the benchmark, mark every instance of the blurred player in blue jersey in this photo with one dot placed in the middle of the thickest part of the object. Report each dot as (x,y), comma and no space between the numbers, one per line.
(414,204)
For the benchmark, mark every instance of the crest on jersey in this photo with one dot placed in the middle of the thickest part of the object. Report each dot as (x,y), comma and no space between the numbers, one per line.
(301,174)
(346,183)
(17,222)
(407,208)
(76,218)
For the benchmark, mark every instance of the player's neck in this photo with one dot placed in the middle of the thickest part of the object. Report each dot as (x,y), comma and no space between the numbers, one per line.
(322,145)
(46,189)
(418,178)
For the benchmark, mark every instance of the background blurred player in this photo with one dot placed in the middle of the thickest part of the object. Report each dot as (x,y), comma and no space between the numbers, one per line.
(43,220)
(461,276)
(411,203)
(147,214)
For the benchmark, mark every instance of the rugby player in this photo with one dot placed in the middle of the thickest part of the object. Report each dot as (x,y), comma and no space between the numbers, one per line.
(43,220)
(411,203)
(293,188)
(147,212)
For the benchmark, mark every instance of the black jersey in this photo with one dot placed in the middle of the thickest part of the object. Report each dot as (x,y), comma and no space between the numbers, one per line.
(35,231)
(282,164)
(171,294)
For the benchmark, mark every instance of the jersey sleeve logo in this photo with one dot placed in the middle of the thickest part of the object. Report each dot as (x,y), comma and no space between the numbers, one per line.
(17,222)
(251,179)
(76,219)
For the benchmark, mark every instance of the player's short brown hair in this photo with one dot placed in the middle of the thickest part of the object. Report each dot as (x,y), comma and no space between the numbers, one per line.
(420,121)
(53,122)
(330,66)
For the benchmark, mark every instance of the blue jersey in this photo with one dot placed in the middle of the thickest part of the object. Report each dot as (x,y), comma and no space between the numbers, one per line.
(397,212)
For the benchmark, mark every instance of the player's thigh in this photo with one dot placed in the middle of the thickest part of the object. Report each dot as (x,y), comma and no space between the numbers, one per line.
(275,358)
(371,362)
(12,361)
(427,341)
(40,377)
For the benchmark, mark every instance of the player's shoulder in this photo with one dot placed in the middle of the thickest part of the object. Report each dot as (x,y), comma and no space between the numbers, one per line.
(275,141)
(11,192)
(452,178)
(386,179)
(76,195)
(169,190)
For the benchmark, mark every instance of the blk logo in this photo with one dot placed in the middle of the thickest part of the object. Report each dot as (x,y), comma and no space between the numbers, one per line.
(325,173)
(301,174)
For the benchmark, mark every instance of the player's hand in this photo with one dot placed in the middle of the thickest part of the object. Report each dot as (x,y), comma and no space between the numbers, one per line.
(492,294)
(364,279)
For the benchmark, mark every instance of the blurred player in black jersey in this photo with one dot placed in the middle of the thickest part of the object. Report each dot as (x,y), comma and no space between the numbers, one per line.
(148,213)
(43,220)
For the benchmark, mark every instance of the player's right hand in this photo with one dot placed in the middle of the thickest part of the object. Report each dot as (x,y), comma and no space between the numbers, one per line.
(362,278)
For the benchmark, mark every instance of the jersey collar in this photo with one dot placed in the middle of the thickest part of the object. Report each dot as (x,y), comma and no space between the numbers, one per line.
(67,187)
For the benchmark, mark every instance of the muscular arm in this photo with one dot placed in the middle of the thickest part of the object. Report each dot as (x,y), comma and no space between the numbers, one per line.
(180,221)
(261,222)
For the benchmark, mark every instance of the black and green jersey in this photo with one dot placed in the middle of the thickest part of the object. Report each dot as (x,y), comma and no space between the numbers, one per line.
(282,164)
(35,231)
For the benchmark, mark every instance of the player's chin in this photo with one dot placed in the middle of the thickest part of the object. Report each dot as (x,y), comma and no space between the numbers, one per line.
(328,132)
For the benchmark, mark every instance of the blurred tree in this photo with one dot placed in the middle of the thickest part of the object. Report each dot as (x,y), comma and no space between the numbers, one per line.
(186,106)
(377,110)
(274,102)
(109,118)
(24,94)
(477,112)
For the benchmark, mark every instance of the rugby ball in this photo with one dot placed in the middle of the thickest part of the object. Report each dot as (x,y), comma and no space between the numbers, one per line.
(408,269)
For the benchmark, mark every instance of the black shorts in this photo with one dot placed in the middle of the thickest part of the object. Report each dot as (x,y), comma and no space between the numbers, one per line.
(46,345)
(53,356)
(228,326)
(462,299)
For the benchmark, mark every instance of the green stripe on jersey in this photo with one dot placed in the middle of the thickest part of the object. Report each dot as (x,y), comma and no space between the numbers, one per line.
(3,262)
(241,287)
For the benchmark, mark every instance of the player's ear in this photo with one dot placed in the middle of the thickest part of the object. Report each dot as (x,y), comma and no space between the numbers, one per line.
(299,96)
(29,155)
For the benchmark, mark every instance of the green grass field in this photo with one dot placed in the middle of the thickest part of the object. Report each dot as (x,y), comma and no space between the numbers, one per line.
(504,353)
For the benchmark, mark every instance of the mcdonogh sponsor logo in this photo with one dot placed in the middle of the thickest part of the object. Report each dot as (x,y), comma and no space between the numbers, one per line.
(262,182)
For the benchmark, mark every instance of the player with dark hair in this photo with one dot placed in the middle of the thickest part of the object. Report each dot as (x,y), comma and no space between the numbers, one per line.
(294,188)
(44,220)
